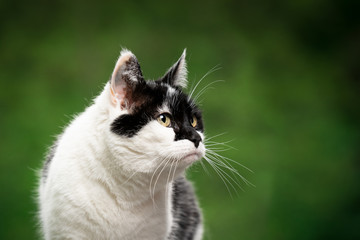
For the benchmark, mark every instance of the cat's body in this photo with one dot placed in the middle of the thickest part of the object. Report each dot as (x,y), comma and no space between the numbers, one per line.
(116,172)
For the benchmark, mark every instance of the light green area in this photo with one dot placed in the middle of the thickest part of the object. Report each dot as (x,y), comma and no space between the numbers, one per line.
(289,102)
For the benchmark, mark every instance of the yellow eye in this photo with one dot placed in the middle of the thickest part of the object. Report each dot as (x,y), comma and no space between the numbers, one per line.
(164,120)
(193,121)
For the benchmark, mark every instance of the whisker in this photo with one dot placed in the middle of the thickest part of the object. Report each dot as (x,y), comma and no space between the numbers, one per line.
(128,179)
(152,177)
(213,143)
(231,178)
(219,174)
(168,178)
(204,167)
(201,92)
(157,179)
(218,149)
(176,165)
(206,74)
(233,171)
(222,165)
(229,159)
(215,136)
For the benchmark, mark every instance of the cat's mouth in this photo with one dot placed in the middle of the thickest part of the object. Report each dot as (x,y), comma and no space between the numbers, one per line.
(192,157)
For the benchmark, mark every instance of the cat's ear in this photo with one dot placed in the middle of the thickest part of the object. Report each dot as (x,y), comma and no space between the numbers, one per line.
(177,74)
(125,77)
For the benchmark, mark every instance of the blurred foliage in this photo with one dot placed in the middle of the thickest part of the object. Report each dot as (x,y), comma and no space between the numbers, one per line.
(289,103)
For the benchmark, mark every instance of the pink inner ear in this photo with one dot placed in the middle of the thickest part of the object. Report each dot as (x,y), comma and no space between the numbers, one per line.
(118,93)
(118,87)
(126,75)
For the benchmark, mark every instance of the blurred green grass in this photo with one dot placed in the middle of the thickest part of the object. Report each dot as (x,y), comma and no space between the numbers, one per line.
(289,103)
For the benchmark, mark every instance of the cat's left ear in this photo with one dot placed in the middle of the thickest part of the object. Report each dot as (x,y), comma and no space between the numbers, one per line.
(177,74)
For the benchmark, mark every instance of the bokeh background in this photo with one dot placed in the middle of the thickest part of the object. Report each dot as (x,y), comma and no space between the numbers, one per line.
(289,102)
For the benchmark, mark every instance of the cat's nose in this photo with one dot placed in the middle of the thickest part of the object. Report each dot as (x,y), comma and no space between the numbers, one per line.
(195,138)
(188,134)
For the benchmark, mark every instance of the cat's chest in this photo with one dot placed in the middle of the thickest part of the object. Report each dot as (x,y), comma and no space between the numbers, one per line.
(150,220)
(155,225)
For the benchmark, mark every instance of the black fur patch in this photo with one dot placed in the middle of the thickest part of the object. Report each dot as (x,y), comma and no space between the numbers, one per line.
(128,125)
(182,112)
(186,213)
(147,99)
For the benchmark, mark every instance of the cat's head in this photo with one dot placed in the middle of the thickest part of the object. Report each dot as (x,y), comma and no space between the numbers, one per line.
(153,125)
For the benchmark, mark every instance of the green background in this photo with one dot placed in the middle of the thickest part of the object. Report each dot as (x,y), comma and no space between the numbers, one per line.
(289,102)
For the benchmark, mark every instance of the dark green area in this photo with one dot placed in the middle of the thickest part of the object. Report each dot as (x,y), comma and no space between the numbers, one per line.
(289,103)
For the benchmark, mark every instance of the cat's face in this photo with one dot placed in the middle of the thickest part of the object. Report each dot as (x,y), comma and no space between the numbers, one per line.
(155,126)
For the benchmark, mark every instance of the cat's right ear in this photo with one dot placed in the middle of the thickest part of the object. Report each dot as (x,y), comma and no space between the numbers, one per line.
(126,75)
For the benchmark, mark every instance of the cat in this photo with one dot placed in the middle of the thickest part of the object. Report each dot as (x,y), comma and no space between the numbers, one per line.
(117,170)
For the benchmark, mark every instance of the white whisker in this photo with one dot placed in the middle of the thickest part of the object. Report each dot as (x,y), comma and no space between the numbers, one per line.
(173,177)
(201,92)
(128,179)
(206,74)
(168,179)
(153,175)
(232,170)
(222,165)
(224,179)
(204,167)
(213,143)
(215,136)
(225,173)
(229,159)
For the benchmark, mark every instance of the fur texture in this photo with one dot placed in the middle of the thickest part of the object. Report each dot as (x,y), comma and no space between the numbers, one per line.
(116,172)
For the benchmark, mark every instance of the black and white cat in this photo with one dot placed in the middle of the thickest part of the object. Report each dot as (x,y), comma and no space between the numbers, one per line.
(117,171)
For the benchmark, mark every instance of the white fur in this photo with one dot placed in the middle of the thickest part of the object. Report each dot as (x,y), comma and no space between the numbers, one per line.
(98,184)
(199,232)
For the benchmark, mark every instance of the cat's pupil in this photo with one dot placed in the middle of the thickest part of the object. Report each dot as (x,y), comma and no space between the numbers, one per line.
(163,118)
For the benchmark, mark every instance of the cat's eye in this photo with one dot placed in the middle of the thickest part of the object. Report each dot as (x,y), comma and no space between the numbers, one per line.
(164,120)
(193,121)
